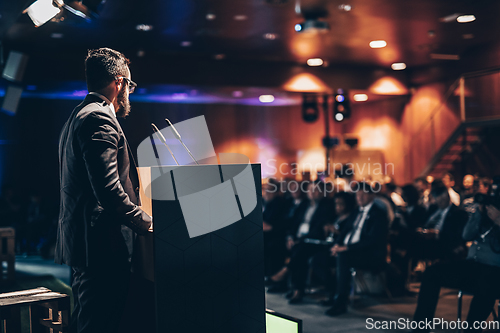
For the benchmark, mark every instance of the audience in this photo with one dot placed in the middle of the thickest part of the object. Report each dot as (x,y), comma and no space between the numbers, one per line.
(478,274)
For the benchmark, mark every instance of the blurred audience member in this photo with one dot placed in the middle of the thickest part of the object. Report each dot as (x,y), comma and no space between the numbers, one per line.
(423,188)
(274,226)
(467,187)
(323,262)
(363,245)
(310,227)
(449,182)
(441,237)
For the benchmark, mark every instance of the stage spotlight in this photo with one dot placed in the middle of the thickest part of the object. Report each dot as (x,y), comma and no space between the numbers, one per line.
(341,107)
(310,110)
(42,11)
(312,26)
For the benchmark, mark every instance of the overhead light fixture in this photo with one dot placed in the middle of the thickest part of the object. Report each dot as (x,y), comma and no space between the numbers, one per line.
(360,97)
(466,18)
(186,43)
(306,82)
(270,36)
(144,27)
(378,44)
(240,17)
(345,7)
(266,98)
(398,66)
(210,16)
(42,11)
(339,117)
(315,62)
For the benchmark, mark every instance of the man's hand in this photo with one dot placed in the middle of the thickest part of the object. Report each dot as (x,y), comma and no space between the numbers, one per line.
(336,249)
(266,226)
(493,214)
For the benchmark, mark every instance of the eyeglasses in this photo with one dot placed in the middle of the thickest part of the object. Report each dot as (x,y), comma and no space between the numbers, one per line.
(131,84)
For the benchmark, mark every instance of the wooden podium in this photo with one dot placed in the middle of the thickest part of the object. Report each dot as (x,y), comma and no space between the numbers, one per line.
(211,283)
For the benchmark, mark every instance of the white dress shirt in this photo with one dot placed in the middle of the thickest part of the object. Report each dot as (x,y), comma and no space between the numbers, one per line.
(355,234)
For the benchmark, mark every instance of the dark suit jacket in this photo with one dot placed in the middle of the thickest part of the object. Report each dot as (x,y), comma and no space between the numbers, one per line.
(373,239)
(99,189)
(450,236)
(324,213)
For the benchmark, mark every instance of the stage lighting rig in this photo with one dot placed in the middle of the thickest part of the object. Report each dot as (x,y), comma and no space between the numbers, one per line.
(42,11)
(310,110)
(341,106)
(312,11)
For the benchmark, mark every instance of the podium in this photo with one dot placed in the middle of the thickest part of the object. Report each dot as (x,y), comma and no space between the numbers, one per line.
(206,279)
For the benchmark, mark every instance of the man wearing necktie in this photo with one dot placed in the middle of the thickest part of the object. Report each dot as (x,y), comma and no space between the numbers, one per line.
(364,245)
(441,237)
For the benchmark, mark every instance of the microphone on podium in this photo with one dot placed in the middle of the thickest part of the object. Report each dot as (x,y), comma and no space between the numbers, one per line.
(162,139)
(178,137)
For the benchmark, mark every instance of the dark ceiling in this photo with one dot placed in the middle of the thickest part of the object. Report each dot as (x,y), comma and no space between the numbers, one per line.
(412,28)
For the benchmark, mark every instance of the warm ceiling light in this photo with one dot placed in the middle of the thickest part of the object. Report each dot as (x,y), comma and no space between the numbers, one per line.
(240,17)
(315,62)
(144,27)
(466,18)
(266,98)
(398,66)
(388,86)
(378,44)
(360,97)
(306,82)
(210,16)
(339,117)
(270,36)
(345,7)
(42,11)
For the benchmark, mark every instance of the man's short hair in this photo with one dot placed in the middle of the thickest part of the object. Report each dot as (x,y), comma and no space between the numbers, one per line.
(103,66)
(368,187)
(438,190)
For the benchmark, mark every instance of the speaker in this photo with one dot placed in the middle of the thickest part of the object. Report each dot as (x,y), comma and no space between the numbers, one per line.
(12,98)
(15,66)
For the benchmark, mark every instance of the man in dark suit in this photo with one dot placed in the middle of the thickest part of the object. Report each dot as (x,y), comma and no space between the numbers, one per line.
(364,245)
(99,208)
(441,237)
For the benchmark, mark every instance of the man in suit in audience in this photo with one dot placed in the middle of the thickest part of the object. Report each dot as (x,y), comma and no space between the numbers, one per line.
(441,237)
(274,226)
(99,208)
(364,245)
(310,224)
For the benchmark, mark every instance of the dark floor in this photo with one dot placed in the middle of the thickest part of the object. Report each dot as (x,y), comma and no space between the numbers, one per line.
(314,321)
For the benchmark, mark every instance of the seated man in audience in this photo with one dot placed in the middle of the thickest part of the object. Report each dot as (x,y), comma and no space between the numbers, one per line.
(364,245)
(310,226)
(441,237)
(478,274)
(274,227)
